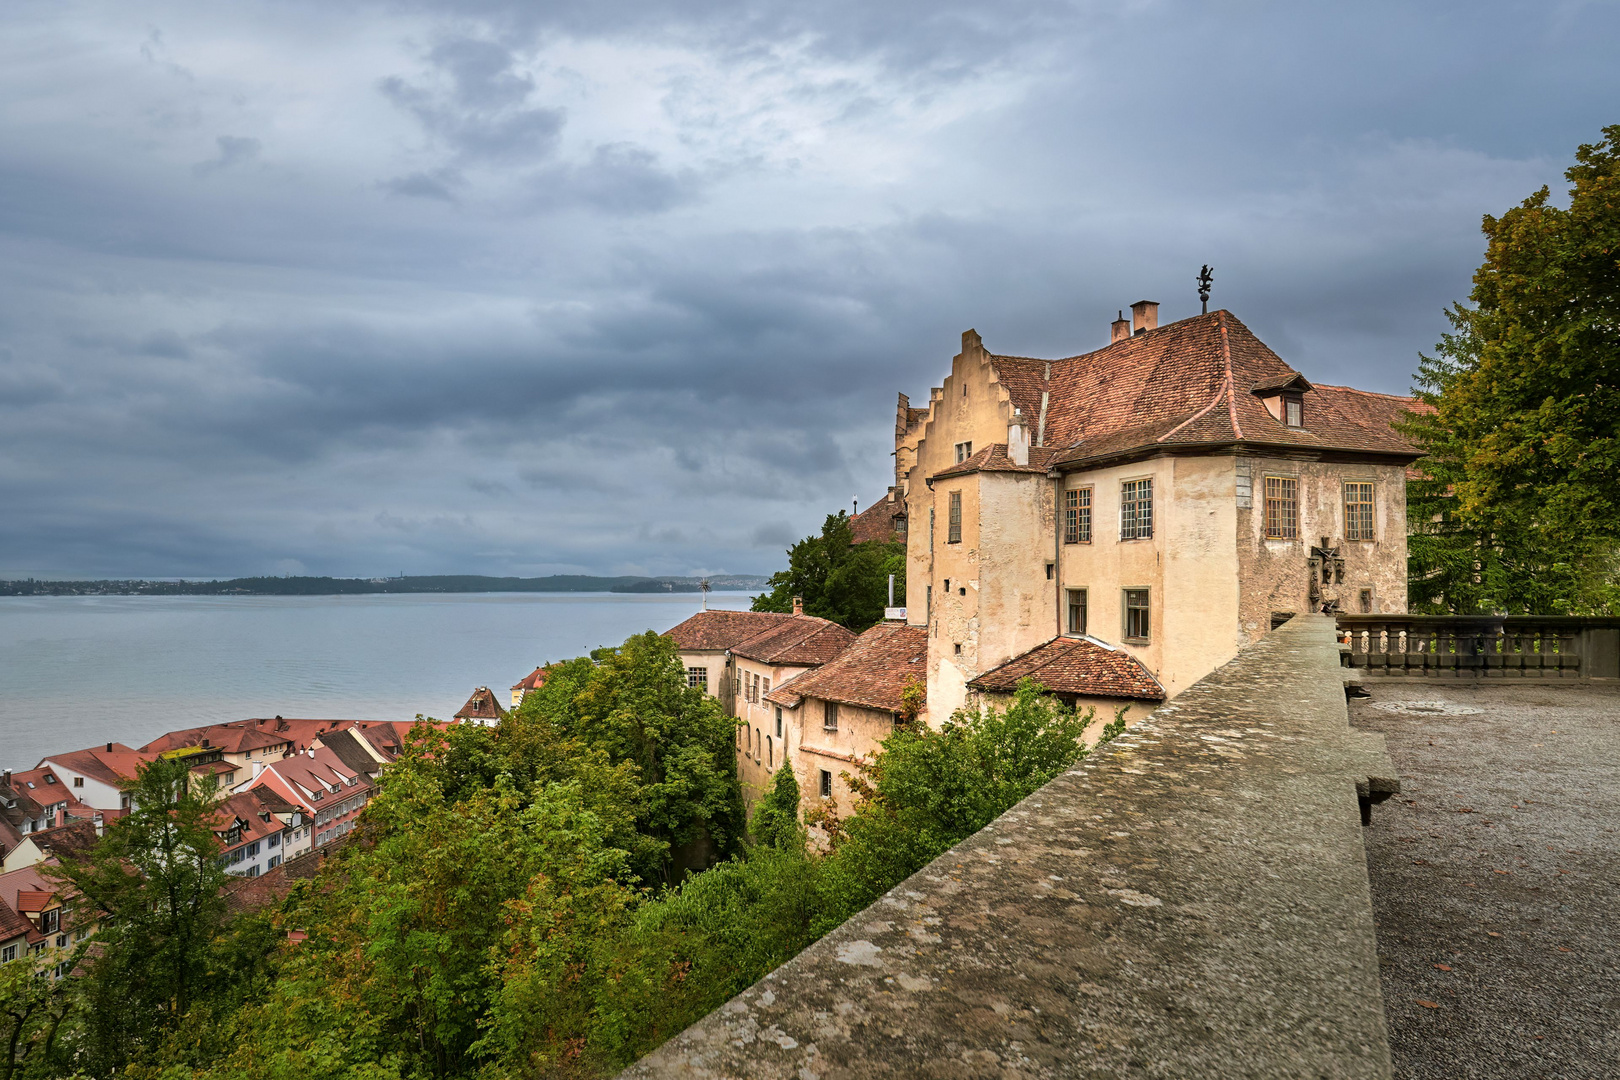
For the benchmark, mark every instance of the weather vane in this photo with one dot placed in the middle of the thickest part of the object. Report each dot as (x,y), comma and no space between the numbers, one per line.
(1206,277)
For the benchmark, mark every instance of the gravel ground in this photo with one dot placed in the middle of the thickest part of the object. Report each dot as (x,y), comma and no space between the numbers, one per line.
(1496,877)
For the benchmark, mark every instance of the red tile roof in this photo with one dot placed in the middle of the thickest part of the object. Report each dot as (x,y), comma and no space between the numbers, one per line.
(481,706)
(12,925)
(1075,666)
(1187,383)
(534,680)
(233,737)
(880,521)
(30,901)
(872,672)
(993,458)
(116,766)
(797,641)
(716,631)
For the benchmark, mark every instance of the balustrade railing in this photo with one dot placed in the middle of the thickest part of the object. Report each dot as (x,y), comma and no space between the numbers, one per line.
(1515,646)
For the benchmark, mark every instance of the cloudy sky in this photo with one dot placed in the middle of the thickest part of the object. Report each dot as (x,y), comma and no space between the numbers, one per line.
(516,287)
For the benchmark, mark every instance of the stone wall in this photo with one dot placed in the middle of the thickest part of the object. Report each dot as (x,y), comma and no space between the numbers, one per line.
(1190,901)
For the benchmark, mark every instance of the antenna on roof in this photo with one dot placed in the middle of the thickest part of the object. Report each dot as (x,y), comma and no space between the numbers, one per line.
(1206,277)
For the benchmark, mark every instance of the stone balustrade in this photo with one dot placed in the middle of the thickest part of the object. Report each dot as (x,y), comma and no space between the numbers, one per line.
(1489,646)
(1190,901)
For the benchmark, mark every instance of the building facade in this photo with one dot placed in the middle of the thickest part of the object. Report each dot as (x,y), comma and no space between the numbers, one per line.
(1170,496)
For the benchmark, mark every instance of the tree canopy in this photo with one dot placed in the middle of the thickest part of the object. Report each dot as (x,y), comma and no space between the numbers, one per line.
(838,579)
(1518,510)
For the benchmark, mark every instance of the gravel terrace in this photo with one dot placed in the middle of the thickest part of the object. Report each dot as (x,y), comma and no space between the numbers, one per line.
(1496,877)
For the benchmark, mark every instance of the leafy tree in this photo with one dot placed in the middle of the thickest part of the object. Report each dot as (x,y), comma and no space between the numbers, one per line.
(153,882)
(32,1008)
(776,818)
(838,579)
(1519,508)
(928,790)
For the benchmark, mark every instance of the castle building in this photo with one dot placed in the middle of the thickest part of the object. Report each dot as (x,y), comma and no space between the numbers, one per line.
(1168,497)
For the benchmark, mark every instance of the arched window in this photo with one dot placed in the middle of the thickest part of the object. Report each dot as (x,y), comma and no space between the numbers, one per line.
(770,754)
(756,744)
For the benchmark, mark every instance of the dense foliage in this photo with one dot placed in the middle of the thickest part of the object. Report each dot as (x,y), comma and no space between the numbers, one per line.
(838,578)
(1519,508)
(514,903)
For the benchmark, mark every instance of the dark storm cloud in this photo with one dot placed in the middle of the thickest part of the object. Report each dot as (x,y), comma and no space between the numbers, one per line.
(513,288)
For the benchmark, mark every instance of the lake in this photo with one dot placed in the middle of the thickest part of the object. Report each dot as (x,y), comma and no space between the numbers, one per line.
(80,670)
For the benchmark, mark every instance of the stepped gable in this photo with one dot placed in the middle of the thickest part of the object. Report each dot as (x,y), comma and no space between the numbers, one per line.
(481,706)
(716,631)
(871,673)
(1186,383)
(799,641)
(1075,665)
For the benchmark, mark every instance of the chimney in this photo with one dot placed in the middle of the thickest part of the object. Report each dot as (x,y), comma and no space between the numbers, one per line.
(798,605)
(1120,329)
(1018,439)
(1144,316)
(109,748)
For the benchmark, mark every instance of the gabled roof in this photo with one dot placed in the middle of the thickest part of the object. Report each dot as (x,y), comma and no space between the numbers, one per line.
(310,772)
(255,814)
(715,631)
(1187,383)
(1075,665)
(872,672)
(534,680)
(233,737)
(880,521)
(993,458)
(797,641)
(115,766)
(349,746)
(481,706)
(12,924)
(74,837)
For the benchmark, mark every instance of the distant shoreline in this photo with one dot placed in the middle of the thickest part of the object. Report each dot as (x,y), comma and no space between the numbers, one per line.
(330,586)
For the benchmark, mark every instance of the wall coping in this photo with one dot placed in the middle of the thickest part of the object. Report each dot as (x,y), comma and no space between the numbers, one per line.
(1191,900)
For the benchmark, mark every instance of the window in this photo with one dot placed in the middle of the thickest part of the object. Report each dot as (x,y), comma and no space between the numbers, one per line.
(1294,412)
(1077,516)
(829,716)
(698,677)
(826,784)
(253,849)
(767,687)
(50,920)
(1077,611)
(964,450)
(236,856)
(8,954)
(275,861)
(930,528)
(756,744)
(1137,623)
(1282,508)
(928,601)
(953,533)
(1358,511)
(779,721)
(274,841)
(78,781)
(770,753)
(1136,509)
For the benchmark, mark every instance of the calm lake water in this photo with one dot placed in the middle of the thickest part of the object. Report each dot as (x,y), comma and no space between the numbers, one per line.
(77,671)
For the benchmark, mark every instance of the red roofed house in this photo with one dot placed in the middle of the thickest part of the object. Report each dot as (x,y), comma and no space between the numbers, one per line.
(99,776)
(842,710)
(254,829)
(1170,495)
(738,656)
(15,932)
(329,794)
(43,905)
(531,682)
(244,745)
(481,708)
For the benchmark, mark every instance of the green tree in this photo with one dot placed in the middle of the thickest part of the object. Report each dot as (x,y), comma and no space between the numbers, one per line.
(153,882)
(928,790)
(1519,507)
(32,1008)
(776,818)
(837,578)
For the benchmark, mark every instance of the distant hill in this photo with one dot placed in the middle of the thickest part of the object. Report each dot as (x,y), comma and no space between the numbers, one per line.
(330,586)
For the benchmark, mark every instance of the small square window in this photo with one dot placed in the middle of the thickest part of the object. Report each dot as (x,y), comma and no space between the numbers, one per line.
(964,450)
(698,678)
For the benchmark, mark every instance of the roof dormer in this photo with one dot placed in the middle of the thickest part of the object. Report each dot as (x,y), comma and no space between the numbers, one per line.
(1284,398)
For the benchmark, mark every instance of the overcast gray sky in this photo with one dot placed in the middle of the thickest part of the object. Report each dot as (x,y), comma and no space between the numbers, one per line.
(503,287)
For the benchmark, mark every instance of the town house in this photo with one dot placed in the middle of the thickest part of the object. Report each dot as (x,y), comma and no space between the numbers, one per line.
(253,830)
(328,793)
(739,657)
(1168,497)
